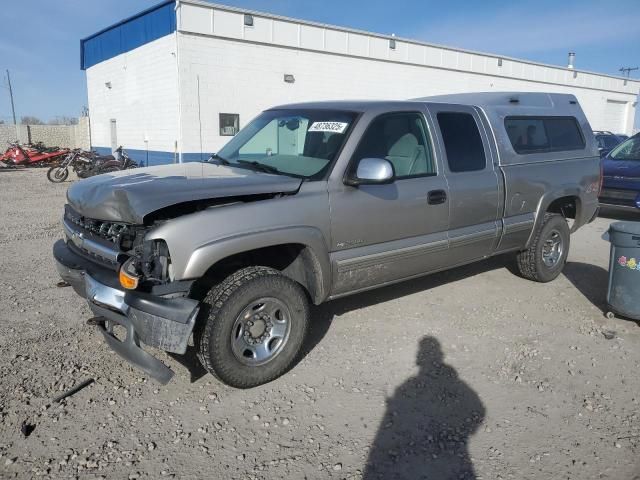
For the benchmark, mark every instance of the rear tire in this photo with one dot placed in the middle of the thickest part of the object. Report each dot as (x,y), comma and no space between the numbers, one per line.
(252,327)
(57,174)
(544,260)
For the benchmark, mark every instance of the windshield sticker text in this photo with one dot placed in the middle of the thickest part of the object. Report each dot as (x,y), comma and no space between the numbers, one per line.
(334,127)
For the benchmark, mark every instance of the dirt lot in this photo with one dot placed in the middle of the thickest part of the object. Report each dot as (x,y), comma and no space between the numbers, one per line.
(472,373)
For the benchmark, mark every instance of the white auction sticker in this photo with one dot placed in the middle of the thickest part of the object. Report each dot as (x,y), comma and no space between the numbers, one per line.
(334,127)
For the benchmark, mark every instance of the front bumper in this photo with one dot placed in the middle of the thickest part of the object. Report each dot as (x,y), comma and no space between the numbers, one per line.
(156,321)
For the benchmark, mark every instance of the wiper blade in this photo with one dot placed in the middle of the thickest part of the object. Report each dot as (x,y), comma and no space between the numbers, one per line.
(262,167)
(221,160)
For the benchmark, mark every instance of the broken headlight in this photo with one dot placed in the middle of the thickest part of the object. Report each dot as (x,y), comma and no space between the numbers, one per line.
(150,263)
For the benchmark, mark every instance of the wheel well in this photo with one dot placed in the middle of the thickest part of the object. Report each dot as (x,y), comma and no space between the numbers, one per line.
(565,206)
(294,260)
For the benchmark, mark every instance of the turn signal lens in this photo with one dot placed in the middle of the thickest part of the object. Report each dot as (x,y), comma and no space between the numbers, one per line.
(127,280)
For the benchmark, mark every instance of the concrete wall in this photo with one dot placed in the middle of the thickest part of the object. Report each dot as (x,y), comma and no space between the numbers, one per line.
(70,136)
(139,90)
(245,78)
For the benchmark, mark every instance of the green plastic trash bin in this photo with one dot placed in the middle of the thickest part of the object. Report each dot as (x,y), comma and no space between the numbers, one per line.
(623,294)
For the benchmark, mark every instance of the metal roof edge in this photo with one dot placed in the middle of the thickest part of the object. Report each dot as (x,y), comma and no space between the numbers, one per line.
(273,16)
(128,19)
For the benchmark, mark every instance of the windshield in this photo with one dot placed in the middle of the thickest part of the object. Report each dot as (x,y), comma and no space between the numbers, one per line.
(607,141)
(300,143)
(628,150)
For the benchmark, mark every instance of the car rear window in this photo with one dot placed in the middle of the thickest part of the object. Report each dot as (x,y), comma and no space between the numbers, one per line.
(544,134)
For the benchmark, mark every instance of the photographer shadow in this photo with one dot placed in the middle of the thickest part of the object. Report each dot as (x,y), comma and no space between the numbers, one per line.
(429,420)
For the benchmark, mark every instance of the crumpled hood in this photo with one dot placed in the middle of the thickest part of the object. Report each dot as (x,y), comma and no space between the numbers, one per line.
(129,195)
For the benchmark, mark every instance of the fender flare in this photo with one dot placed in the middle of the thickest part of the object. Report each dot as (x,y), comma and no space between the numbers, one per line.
(315,255)
(546,200)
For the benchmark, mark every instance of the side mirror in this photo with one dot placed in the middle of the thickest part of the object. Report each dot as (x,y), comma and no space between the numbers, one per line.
(372,171)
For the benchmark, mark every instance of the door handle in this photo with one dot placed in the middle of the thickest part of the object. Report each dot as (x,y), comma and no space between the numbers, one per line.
(436,197)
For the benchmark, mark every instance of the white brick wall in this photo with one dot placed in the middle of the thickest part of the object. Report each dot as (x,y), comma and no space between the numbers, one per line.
(245,78)
(143,98)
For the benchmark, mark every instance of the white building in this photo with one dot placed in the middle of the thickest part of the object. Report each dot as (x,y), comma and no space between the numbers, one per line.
(173,82)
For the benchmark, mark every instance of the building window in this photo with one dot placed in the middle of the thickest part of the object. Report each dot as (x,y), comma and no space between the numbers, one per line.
(229,124)
(248,20)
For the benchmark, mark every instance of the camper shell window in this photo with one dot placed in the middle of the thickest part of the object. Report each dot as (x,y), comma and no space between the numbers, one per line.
(544,134)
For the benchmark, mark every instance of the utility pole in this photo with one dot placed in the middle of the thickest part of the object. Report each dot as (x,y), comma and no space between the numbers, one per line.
(13,108)
(626,71)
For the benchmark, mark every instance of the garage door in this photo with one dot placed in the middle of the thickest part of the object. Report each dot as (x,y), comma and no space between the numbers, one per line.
(614,116)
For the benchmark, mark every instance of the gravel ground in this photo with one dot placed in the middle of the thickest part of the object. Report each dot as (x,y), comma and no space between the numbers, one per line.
(472,373)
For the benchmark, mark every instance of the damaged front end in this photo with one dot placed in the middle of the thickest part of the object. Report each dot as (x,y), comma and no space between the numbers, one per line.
(128,282)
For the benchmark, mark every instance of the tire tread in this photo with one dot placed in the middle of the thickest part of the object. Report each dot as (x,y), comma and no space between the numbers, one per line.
(205,333)
(528,260)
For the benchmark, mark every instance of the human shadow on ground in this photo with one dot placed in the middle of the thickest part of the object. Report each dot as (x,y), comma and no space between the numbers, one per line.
(427,425)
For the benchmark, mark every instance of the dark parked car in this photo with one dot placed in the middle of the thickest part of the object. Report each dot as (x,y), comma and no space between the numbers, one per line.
(621,180)
(607,141)
(622,136)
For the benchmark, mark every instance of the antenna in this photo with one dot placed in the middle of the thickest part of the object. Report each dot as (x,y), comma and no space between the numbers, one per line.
(13,108)
(626,71)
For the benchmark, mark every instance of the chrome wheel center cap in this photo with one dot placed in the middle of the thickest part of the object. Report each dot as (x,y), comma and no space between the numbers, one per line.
(258,327)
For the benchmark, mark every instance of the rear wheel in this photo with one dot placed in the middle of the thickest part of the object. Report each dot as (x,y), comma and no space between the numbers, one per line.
(545,258)
(57,174)
(252,327)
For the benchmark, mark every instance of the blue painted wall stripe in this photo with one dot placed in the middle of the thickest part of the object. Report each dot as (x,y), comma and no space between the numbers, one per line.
(154,157)
(128,34)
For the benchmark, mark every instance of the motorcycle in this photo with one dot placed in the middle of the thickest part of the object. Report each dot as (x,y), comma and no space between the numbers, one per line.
(109,163)
(88,164)
(82,166)
(31,155)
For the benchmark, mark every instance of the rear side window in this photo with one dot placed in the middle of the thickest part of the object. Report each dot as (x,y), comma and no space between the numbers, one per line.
(462,142)
(544,134)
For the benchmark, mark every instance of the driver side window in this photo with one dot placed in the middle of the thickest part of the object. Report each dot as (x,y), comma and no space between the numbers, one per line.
(401,138)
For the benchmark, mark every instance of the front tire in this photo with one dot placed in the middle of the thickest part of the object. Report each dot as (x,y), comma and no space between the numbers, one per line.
(545,258)
(252,327)
(57,174)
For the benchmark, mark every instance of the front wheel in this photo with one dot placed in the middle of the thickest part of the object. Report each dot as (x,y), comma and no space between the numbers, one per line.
(57,174)
(252,327)
(545,258)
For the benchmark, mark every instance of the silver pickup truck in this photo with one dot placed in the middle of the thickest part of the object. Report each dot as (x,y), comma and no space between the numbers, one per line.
(314,201)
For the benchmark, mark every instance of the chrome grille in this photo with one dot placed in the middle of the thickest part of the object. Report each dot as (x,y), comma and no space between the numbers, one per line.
(110,231)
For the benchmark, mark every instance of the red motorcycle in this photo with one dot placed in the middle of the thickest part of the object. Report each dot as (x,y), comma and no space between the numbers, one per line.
(31,156)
